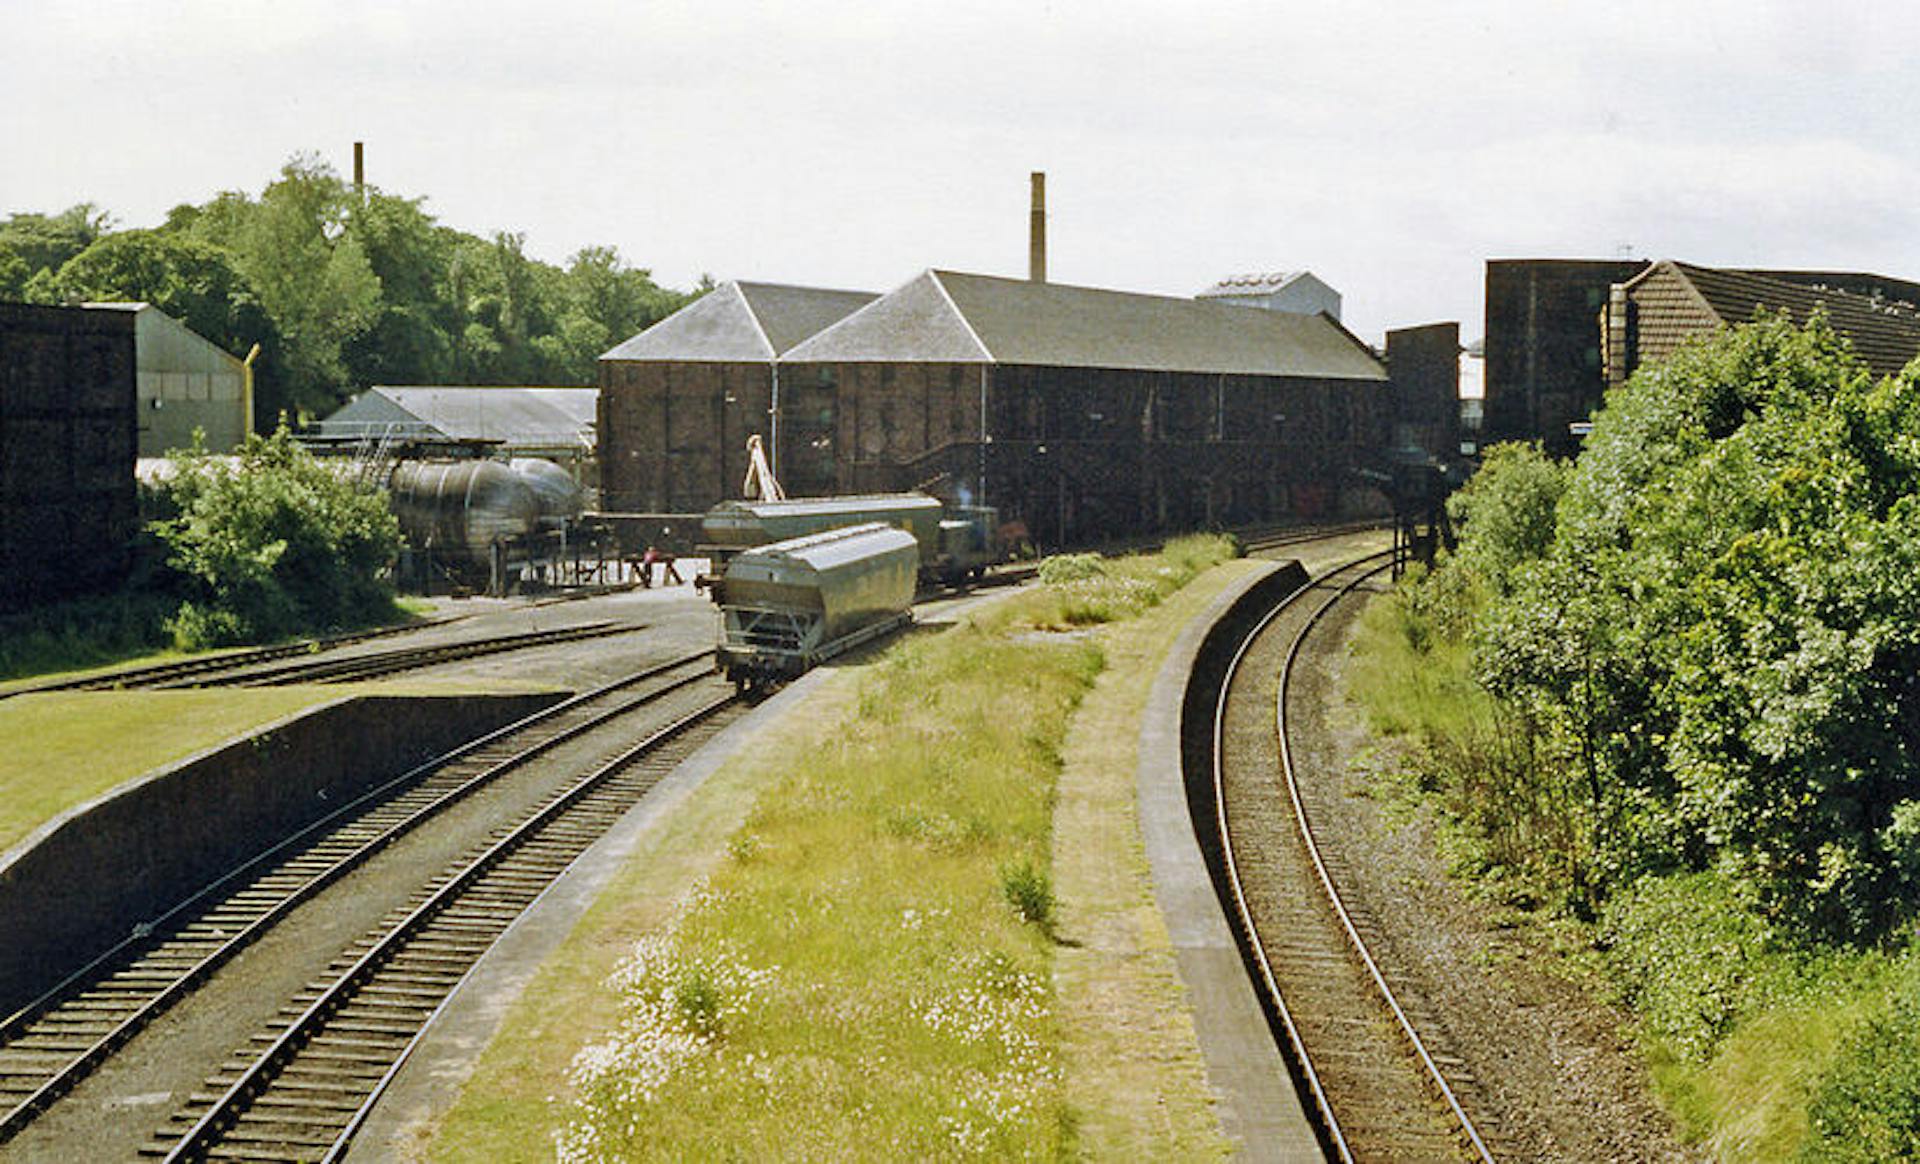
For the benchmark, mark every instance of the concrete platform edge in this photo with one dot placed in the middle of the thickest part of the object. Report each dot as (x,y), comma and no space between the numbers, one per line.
(1259,1108)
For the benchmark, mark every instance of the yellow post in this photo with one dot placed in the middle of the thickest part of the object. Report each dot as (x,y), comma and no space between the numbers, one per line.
(246,393)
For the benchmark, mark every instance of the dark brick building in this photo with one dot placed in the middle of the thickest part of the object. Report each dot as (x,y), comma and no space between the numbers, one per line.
(1425,365)
(678,401)
(1083,413)
(1651,315)
(68,509)
(1543,357)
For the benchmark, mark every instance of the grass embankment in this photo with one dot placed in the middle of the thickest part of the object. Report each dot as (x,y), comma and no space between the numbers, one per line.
(119,631)
(63,749)
(872,967)
(1763,1047)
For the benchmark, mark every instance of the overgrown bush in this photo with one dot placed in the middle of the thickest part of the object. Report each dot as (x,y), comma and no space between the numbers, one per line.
(1868,1106)
(273,543)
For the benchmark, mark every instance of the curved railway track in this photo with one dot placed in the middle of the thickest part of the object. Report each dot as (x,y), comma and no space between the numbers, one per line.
(51,1044)
(303,1089)
(1379,1090)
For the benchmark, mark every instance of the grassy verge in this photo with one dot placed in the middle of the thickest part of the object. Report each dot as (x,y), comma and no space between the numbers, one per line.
(868,970)
(1761,1047)
(63,749)
(118,630)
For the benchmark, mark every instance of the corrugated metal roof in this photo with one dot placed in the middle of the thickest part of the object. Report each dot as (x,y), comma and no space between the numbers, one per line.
(741,322)
(1885,335)
(513,416)
(949,317)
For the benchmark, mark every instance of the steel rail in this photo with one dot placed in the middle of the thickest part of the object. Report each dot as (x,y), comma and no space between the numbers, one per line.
(405,658)
(342,819)
(231,660)
(1358,944)
(1329,1122)
(225,1108)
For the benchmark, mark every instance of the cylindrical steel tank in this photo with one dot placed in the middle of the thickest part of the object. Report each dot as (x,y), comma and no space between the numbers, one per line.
(553,487)
(461,507)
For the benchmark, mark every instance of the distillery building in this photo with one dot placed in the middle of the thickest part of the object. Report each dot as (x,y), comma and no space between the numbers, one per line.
(678,401)
(1082,414)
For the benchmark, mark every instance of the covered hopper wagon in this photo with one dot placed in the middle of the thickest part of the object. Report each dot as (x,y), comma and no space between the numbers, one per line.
(790,605)
(953,543)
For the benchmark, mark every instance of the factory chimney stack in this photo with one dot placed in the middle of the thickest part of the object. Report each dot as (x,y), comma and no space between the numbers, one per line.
(360,167)
(1037,236)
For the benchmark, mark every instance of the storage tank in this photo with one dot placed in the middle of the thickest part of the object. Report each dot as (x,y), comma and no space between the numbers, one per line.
(462,507)
(553,487)
(789,605)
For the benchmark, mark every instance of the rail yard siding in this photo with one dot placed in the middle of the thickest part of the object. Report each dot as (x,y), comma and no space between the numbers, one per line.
(85,880)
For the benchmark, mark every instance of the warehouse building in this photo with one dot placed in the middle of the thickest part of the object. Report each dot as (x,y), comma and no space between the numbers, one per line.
(678,401)
(1652,315)
(1084,414)
(68,509)
(555,423)
(1548,363)
(186,384)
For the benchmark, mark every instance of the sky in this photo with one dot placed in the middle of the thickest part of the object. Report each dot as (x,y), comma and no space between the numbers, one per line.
(1391,148)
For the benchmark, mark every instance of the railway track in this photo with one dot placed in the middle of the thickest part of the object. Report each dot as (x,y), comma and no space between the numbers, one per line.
(51,1044)
(1380,1091)
(393,662)
(1261,542)
(303,1088)
(183,671)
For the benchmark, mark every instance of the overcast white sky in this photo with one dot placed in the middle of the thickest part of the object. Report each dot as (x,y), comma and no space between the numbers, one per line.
(1390,147)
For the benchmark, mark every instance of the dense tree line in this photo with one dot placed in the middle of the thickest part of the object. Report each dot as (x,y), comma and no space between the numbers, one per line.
(1711,623)
(342,289)
(1672,687)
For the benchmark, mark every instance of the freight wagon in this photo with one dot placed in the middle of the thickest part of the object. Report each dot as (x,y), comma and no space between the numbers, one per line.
(953,544)
(790,605)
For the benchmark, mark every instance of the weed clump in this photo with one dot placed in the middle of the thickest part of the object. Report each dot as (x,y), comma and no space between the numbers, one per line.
(1029,890)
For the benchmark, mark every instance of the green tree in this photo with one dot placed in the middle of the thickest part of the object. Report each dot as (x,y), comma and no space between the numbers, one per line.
(1725,632)
(311,275)
(275,543)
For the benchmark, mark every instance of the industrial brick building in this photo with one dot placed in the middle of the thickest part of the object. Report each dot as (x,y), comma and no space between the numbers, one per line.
(1652,315)
(67,438)
(1555,338)
(678,401)
(1543,365)
(1084,414)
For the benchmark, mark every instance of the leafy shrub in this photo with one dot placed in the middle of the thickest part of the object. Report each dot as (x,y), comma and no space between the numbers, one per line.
(1868,1106)
(274,544)
(1063,568)
(1692,959)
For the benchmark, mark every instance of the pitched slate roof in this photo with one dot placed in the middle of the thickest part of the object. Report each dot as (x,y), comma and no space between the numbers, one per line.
(741,322)
(950,317)
(1885,334)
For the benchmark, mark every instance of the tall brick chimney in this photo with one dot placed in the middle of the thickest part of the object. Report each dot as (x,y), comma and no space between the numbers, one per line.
(1037,233)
